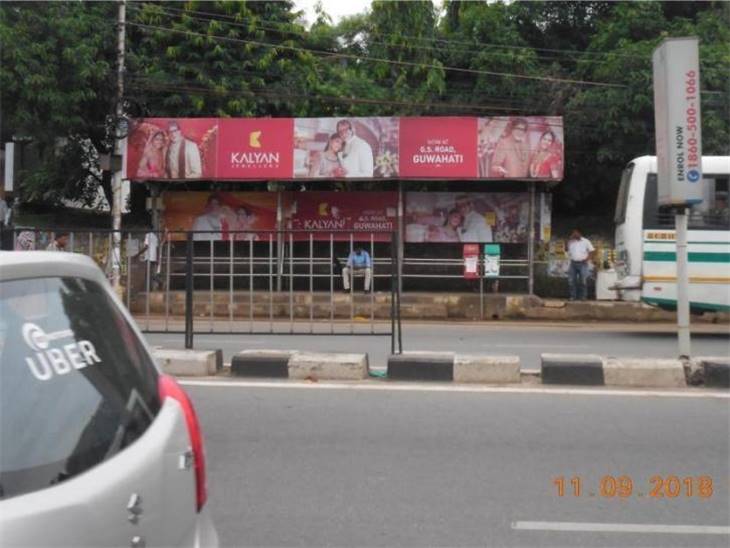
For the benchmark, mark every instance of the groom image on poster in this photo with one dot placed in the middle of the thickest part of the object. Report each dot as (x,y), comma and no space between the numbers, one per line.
(357,155)
(183,155)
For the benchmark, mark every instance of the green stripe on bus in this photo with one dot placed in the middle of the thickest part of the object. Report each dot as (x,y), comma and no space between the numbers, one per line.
(673,242)
(671,256)
(672,303)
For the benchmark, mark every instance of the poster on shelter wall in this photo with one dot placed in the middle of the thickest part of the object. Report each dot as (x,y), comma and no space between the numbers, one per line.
(172,149)
(342,214)
(443,147)
(220,216)
(478,217)
(337,148)
(515,147)
(255,148)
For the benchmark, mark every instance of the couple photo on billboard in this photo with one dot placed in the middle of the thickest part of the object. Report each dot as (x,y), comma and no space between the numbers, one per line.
(475,217)
(520,148)
(336,148)
(172,149)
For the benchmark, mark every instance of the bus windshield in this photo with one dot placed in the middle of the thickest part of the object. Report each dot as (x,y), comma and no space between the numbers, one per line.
(623,195)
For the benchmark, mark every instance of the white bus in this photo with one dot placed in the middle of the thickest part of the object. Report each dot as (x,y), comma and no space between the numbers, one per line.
(646,266)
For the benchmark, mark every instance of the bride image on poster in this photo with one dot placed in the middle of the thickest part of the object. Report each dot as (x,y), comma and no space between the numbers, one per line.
(513,147)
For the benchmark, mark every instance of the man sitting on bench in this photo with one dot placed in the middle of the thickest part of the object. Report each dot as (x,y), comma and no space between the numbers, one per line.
(357,263)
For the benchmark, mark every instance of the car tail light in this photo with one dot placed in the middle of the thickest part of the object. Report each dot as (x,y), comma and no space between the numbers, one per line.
(169,388)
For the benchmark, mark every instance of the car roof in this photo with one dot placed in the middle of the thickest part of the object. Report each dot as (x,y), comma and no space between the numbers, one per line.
(19,265)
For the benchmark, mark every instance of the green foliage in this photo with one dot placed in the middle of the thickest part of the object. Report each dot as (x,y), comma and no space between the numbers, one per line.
(230,58)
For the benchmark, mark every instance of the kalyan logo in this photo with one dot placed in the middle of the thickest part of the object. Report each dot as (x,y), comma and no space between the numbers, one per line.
(255,159)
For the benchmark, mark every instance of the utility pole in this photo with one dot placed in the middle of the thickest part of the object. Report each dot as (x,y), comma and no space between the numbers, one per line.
(117,175)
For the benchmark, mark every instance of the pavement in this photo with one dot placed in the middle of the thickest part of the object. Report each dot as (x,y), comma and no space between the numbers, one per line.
(390,464)
(524,339)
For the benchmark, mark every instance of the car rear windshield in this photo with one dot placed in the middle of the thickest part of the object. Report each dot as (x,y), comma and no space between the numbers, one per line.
(76,385)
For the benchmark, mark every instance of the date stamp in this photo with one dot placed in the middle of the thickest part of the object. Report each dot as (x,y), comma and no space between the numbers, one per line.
(656,487)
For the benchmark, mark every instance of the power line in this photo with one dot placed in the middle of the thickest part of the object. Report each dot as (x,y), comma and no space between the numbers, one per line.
(442,40)
(172,12)
(374,59)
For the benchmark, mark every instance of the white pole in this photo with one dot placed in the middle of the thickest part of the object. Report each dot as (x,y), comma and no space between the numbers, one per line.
(683,334)
(117,175)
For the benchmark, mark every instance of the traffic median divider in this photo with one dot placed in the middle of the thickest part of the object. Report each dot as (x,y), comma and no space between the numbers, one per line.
(480,368)
(421,366)
(328,366)
(261,363)
(188,363)
(716,371)
(644,372)
(577,369)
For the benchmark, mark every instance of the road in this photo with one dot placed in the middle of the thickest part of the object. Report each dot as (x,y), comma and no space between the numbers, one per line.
(369,465)
(527,340)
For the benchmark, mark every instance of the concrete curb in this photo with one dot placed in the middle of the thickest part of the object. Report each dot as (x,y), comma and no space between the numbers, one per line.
(447,366)
(261,363)
(486,369)
(716,371)
(300,365)
(329,366)
(644,372)
(188,363)
(421,366)
(580,369)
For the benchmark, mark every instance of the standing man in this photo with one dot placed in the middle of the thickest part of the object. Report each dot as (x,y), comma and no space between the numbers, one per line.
(4,210)
(511,157)
(183,155)
(59,243)
(209,221)
(580,251)
(474,228)
(357,155)
(358,261)
(149,256)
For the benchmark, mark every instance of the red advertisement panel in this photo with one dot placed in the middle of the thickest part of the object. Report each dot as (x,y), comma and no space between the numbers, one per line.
(256,148)
(360,212)
(444,147)
(220,215)
(172,149)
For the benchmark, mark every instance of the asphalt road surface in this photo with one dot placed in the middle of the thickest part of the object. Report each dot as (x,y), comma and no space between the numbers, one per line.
(524,339)
(383,464)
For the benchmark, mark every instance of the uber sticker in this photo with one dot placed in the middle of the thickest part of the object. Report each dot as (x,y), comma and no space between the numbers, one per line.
(52,357)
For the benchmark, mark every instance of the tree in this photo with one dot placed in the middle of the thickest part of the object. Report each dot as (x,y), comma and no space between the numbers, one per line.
(57,86)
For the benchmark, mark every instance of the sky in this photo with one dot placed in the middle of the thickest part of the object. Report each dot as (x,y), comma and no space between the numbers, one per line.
(335,8)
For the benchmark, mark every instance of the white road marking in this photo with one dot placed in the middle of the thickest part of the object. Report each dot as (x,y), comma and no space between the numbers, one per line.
(572,526)
(537,345)
(420,387)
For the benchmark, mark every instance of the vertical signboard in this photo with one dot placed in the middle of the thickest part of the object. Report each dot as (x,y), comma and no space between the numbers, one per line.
(492,253)
(471,261)
(677,117)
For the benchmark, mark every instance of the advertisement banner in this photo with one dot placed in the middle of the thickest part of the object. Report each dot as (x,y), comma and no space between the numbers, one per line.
(336,148)
(172,149)
(515,147)
(221,214)
(443,148)
(678,122)
(492,253)
(255,148)
(471,261)
(322,212)
(478,217)
(241,149)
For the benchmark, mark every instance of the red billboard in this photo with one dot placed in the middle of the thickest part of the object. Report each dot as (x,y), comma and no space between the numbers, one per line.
(172,149)
(443,148)
(366,148)
(359,212)
(255,148)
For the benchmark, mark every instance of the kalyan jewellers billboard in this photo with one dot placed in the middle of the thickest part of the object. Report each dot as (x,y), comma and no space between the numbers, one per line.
(241,149)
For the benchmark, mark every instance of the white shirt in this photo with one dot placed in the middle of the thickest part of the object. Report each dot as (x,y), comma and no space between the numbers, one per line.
(151,242)
(357,158)
(208,221)
(193,167)
(579,250)
(475,229)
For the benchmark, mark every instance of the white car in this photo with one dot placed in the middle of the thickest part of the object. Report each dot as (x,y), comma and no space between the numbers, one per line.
(98,447)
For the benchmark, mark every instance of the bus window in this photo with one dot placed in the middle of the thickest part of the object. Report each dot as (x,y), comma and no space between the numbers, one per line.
(712,213)
(623,195)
